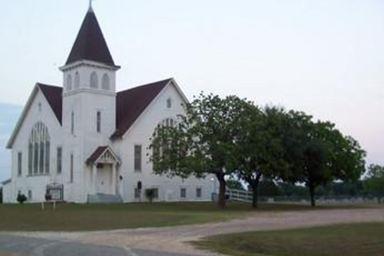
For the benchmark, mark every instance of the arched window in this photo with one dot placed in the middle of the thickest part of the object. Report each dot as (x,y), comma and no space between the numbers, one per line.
(94,81)
(39,150)
(163,144)
(77,80)
(69,82)
(168,122)
(105,82)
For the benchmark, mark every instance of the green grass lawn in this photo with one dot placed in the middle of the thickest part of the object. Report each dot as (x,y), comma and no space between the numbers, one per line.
(349,239)
(73,217)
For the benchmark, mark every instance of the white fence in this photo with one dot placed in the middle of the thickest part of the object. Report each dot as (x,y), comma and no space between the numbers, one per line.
(246,196)
(239,195)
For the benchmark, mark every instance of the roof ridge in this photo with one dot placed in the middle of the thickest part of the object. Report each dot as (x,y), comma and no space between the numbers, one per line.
(50,85)
(143,85)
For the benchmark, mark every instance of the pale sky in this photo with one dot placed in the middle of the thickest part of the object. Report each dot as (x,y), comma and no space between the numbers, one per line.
(323,57)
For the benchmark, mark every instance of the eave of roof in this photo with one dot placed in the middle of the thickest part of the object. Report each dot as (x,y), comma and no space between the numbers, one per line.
(96,154)
(53,96)
(131,103)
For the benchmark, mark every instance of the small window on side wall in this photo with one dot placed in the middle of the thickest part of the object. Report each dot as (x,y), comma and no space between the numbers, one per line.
(72,122)
(137,160)
(19,163)
(198,192)
(183,193)
(71,169)
(59,160)
(169,103)
(98,121)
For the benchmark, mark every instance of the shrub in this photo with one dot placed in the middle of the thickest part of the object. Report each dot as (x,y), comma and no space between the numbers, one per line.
(150,194)
(1,195)
(21,198)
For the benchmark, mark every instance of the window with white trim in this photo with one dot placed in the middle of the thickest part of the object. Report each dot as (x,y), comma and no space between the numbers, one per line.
(77,80)
(169,103)
(71,170)
(105,82)
(59,160)
(137,156)
(98,121)
(19,163)
(94,83)
(198,192)
(183,193)
(39,150)
(72,122)
(69,82)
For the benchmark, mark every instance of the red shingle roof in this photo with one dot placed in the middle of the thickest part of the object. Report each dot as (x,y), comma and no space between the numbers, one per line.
(96,154)
(90,43)
(129,103)
(132,102)
(53,94)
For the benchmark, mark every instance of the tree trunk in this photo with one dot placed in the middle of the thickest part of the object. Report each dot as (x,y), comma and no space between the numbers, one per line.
(255,191)
(312,194)
(222,189)
(255,196)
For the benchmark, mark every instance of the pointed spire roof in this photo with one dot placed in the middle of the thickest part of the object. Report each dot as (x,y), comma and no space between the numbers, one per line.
(90,43)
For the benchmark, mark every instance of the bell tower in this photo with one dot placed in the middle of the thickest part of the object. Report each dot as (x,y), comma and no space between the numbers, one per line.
(89,92)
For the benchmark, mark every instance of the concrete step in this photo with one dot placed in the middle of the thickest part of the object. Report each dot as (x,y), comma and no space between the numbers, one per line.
(104,199)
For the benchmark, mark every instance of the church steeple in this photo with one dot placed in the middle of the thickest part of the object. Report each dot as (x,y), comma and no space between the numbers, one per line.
(90,43)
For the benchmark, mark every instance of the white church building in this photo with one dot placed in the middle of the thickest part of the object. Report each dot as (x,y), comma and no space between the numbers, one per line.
(85,142)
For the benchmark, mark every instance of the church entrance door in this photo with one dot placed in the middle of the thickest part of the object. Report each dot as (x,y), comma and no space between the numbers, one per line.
(104,179)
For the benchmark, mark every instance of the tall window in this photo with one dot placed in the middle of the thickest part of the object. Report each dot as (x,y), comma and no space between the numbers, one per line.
(59,159)
(19,163)
(72,122)
(77,80)
(41,160)
(94,80)
(30,157)
(47,155)
(137,161)
(39,150)
(183,193)
(69,82)
(198,192)
(105,82)
(71,169)
(98,121)
(168,122)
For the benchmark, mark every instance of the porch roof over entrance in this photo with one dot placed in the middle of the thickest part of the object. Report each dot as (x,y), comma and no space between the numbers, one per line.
(103,154)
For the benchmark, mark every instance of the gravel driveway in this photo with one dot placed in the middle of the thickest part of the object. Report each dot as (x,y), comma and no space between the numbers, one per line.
(172,239)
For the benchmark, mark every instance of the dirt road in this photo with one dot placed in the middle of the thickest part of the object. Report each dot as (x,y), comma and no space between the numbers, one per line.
(173,239)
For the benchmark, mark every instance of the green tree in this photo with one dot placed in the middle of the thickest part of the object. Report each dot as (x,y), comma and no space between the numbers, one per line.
(259,149)
(374,183)
(268,187)
(318,153)
(234,184)
(201,141)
